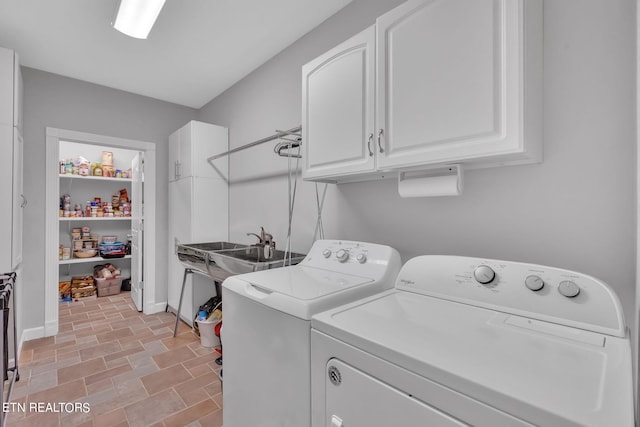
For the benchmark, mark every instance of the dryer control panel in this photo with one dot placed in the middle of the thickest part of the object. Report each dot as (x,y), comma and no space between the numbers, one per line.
(529,290)
(378,262)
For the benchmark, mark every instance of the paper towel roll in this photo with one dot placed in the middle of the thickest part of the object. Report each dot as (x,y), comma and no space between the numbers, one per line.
(432,183)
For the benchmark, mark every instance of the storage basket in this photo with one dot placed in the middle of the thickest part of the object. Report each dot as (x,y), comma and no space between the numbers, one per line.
(108,287)
(64,288)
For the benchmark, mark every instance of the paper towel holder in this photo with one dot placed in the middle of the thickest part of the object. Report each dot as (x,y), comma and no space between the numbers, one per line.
(444,180)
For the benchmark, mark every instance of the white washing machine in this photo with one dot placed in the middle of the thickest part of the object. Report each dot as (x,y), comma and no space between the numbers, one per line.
(267,327)
(464,341)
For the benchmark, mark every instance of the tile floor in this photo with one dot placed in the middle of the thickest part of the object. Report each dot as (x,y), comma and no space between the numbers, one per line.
(126,367)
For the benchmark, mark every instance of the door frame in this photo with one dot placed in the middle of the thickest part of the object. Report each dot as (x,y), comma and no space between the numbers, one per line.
(52,232)
(636,338)
(636,315)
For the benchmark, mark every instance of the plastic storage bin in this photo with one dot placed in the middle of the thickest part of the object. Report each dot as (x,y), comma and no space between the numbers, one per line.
(108,287)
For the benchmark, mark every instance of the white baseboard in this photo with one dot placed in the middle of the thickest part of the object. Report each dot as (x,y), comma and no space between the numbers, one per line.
(27,334)
(157,307)
(51,328)
(31,334)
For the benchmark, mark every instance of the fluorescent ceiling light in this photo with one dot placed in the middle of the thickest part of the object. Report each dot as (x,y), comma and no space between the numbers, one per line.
(136,17)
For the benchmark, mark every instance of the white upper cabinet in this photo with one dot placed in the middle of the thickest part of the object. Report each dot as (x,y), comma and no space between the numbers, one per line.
(338,109)
(456,81)
(191,146)
(451,82)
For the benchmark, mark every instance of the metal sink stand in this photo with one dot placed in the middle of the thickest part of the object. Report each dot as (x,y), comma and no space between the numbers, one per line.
(188,271)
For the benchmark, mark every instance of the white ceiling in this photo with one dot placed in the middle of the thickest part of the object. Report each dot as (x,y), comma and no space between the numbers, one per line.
(196,50)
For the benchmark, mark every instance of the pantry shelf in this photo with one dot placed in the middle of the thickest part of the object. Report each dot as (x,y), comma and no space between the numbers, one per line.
(92,259)
(95,178)
(91,218)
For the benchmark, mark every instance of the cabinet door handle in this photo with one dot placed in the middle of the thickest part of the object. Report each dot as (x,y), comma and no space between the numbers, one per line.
(176,168)
(369,144)
(380,132)
(24,201)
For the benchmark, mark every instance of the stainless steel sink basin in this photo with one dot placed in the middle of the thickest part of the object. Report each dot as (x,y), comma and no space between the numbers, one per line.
(220,260)
(195,255)
(246,260)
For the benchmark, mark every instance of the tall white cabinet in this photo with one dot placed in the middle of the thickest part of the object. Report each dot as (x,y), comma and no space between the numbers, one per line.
(11,149)
(433,82)
(198,206)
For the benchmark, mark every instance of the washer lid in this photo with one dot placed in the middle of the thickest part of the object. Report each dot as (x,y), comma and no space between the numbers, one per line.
(301,290)
(303,283)
(545,373)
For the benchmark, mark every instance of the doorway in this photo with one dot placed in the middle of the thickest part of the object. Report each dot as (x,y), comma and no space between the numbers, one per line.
(147,150)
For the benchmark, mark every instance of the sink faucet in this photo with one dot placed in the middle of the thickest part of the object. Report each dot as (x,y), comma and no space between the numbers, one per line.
(265,240)
(260,242)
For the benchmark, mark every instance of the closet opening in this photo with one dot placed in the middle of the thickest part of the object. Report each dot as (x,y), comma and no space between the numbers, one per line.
(96,224)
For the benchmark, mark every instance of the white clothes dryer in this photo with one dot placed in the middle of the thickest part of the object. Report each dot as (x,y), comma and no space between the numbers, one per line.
(475,342)
(267,327)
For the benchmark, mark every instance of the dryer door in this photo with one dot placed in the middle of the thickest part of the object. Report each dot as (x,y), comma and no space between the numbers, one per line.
(355,399)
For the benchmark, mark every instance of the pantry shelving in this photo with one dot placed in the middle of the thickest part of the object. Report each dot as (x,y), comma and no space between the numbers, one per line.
(92,259)
(94,178)
(91,218)
(97,205)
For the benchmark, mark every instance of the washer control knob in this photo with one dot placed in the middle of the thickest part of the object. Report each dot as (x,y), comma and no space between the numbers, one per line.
(361,258)
(568,288)
(535,283)
(342,255)
(484,274)
(326,253)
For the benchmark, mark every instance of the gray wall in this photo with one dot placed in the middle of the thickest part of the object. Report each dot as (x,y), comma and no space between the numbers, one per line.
(576,210)
(60,102)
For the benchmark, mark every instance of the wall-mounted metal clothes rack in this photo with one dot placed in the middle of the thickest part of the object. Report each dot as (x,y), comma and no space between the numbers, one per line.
(286,143)
(7,303)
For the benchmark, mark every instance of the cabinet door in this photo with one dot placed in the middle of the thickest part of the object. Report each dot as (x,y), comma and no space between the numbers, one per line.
(338,109)
(19,201)
(208,140)
(6,190)
(174,155)
(209,207)
(180,231)
(137,231)
(185,155)
(7,68)
(449,81)
(18,95)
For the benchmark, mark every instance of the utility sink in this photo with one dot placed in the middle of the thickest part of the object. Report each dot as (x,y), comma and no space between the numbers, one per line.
(220,260)
(248,259)
(196,255)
